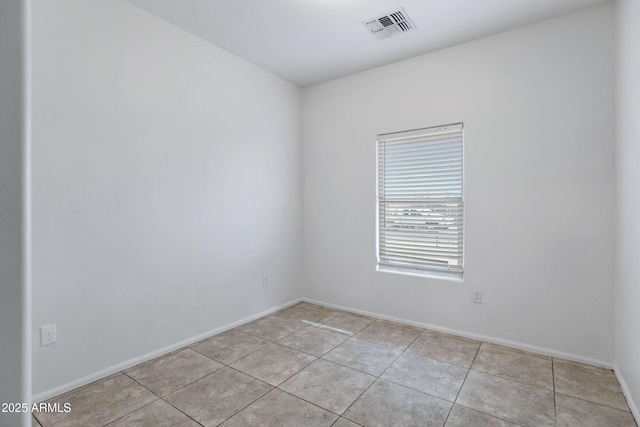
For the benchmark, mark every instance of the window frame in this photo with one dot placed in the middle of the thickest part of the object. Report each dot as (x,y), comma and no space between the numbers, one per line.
(456,274)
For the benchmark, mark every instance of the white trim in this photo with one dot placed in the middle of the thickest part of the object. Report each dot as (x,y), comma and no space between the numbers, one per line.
(152,355)
(479,337)
(27,370)
(422,274)
(432,130)
(168,349)
(394,252)
(627,394)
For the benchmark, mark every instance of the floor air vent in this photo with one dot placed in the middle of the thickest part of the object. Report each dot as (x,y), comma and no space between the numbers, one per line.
(387,26)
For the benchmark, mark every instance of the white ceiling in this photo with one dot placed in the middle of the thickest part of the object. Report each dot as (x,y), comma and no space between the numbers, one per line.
(312,41)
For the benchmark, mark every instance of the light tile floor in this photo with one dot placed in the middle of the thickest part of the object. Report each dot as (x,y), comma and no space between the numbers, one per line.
(309,366)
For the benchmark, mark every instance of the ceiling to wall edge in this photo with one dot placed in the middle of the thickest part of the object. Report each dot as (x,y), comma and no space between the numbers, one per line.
(356,50)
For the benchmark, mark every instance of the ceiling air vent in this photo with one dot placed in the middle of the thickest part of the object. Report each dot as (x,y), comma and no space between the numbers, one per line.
(392,24)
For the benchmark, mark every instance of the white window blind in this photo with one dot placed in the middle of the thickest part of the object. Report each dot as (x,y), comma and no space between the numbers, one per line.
(420,200)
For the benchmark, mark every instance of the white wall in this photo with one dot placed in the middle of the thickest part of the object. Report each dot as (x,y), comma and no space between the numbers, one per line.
(537,104)
(15,357)
(627,295)
(166,181)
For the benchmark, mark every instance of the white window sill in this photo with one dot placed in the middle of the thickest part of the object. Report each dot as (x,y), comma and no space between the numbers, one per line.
(423,274)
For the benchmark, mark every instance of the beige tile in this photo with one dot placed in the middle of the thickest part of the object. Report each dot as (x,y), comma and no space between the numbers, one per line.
(589,383)
(391,334)
(218,396)
(156,414)
(344,323)
(304,312)
(230,346)
(429,376)
(273,363)
(343,422)
(328,385)
(515,366)
(583,365)
(271,328)
(457,337)
(167,374)
(445,348)
(278,408)
(465,417)
(508,400)
(385,404)
(572,412)
(312,340)
(528,353)
(99,403)
(34,422)
(89,385)
(364,356)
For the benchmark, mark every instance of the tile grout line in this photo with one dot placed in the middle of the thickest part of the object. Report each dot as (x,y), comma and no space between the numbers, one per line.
(128,413)
(512,380)
(283,391)
(489,415)
(225,366)
(283,381)
(75,390)
(189,347)
(257,336)
(517,381)
(426,358)
(582,399)
(250,403)
(162,397)
(246,355)
(382,373)
(277,387)
(179,388)
(465,380)
(519,351)
(356,369)
(37,420)
(182,412)
(462,385)
(555,393)
(348,420)
(96,383)
(311,354)
(600,403)
(508,379)
(349,337)
(307,401)
(257,379)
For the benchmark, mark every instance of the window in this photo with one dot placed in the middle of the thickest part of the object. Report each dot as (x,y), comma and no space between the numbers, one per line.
(420,201)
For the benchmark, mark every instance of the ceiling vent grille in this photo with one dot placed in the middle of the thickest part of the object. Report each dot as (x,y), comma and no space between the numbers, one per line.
(392,24)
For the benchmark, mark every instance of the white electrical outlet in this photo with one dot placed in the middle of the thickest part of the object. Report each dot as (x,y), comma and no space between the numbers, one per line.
(477,296)
(48,334)
(265,280)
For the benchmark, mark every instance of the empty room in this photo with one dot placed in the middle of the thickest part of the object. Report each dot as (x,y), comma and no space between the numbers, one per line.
(319,213)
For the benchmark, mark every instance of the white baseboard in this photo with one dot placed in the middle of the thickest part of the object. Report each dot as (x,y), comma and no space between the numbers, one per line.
(627,394)
(493,340)
(152,355)
(168,349)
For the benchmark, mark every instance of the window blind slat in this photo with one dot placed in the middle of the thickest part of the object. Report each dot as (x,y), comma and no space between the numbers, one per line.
(421,165)
(392,158)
